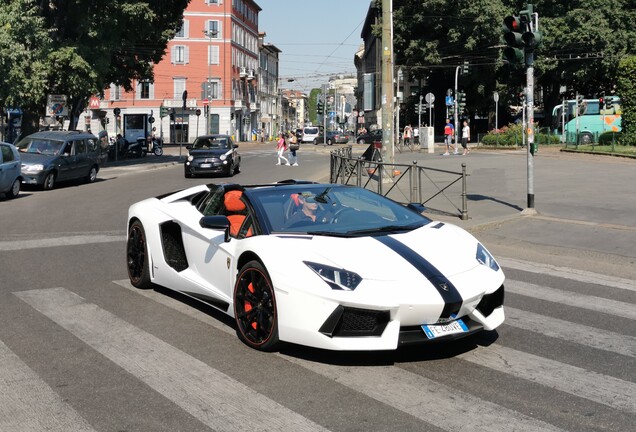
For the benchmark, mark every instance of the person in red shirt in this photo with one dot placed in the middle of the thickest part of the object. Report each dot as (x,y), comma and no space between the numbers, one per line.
(449,131)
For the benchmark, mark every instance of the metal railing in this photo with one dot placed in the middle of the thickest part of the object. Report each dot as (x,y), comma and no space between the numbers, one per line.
(404,183)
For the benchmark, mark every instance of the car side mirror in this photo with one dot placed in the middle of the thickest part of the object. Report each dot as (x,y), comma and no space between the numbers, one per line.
(189,147)
(419,208)
(235,146)
(216,223)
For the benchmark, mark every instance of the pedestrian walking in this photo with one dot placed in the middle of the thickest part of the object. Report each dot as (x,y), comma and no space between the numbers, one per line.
(281,146)
(407,135)
(465,137)
(449,132)
(293,148)
(416,136)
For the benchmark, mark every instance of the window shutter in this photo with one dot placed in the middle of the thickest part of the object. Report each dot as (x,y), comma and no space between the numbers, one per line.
(186,54)
(152,91)
(173,53)
(186,28)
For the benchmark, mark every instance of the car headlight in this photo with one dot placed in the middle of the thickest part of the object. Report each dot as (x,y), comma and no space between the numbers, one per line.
(338,279)
(190,158)
(33,168)
(223,157)
(484,257)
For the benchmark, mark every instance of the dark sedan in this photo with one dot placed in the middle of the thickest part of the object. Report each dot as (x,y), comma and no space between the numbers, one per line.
(370,137)
(332,137)
(213,154)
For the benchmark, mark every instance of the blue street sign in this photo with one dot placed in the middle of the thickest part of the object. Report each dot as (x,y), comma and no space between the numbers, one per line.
(449,101)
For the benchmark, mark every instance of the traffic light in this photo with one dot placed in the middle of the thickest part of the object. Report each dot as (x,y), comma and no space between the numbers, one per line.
(461,101)
(163,111)
(465,67)
(513,28)
(319,108)
(609,103)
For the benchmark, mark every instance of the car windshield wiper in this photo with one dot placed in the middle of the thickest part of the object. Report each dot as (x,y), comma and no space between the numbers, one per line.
(384,229)
(329,233)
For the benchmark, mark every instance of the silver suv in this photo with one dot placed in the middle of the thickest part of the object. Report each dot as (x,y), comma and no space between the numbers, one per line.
(52,156)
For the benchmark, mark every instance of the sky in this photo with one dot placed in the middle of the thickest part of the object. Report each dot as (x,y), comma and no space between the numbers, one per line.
(318,38)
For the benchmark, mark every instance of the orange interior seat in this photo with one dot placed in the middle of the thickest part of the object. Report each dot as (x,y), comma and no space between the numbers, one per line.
(235,211)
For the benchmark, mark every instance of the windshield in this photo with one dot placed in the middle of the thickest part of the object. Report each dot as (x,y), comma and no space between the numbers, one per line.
(333,210)
(209,143)
(40,146)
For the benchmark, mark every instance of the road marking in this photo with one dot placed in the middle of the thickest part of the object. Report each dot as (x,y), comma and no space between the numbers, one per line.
(597,304)
(571,332)
(577,381)
(426,399)
(395,387)
(70,240)
(28,404)
(569,273)
(217,400)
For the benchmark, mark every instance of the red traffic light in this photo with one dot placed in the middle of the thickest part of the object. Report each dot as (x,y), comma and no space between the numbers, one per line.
(512,23)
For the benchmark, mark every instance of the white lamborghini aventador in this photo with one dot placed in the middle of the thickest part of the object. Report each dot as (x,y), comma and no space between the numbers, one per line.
(323,265)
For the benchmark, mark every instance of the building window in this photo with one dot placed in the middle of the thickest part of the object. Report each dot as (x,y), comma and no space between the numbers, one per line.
(212,2)
(145,90)
(179,87)
(214,87)
(115,92)
(182,31)
(213,55)
(179,54)
(214,30)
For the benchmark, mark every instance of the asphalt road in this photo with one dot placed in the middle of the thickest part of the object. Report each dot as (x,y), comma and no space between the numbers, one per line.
(81,350)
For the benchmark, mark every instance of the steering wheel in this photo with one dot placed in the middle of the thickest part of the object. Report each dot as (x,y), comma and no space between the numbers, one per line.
(345,211)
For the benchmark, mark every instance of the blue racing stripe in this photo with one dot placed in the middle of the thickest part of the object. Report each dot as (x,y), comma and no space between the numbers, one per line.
(452,299)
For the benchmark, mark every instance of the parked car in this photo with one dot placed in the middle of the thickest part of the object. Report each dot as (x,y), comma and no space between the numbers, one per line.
(370,137)
(10,170)
(52,156)
(310,133)
(332,137)
(212,154)
(255,253)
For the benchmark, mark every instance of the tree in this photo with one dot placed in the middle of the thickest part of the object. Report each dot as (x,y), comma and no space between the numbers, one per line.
(626,87)
(79,47)
(314,94)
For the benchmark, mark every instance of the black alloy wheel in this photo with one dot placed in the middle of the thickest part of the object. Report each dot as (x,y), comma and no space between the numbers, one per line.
(255,308)
(137,256)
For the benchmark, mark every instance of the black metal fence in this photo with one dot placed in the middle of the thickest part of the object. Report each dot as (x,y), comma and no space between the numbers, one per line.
(440,190)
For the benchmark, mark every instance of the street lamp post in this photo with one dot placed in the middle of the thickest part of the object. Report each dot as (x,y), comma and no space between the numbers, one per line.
(208,94)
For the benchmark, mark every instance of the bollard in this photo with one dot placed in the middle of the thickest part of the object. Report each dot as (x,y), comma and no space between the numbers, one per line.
(464,196)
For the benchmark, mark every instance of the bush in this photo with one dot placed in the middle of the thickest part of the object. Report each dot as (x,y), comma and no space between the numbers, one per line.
(511,136)
(607,138)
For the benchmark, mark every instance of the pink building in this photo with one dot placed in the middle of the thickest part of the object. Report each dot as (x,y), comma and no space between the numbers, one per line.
(213,60)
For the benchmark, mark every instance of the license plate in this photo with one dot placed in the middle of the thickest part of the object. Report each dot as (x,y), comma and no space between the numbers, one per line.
(435,331)
(205,165)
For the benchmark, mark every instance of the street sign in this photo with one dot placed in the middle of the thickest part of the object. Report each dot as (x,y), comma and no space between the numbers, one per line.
(449,101)
(430,98)
(56,106)
(205,102)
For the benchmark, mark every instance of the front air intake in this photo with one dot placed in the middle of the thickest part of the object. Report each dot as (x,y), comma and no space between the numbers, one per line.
(353,322)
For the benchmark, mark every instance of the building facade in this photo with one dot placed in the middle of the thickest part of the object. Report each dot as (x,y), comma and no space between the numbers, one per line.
(207,81)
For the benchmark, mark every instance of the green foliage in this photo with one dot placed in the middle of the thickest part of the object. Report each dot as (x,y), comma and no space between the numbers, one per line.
(79,47)
(313,100)
(626,88)
(511,136)
(607,138)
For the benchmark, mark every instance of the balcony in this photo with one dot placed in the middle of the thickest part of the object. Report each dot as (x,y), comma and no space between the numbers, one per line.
(178,103)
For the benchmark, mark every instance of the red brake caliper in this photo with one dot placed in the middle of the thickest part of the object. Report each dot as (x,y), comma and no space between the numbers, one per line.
(248,305)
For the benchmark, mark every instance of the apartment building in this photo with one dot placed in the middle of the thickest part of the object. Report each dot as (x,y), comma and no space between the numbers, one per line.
(205,83)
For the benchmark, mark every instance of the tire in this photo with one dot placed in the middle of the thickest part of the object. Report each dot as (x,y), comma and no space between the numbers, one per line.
(158,151)
(255,308)
(137,256)
(329,142)
(187,173)
(92,175)
(315,141)
(361,141)
(49,181)
(586,138)
(15,189)
(237,169)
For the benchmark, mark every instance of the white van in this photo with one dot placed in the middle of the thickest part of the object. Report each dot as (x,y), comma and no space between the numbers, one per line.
(310,133)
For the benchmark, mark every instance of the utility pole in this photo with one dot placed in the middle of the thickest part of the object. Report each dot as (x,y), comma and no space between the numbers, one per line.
(387,82)
(456,114)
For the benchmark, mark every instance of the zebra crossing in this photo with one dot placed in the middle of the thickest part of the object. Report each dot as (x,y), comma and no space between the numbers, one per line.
(508,384)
